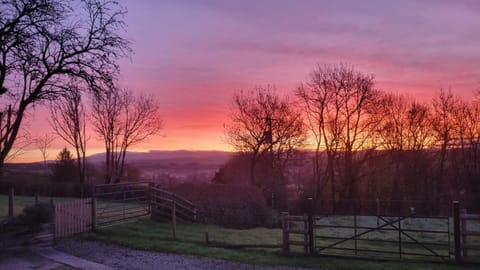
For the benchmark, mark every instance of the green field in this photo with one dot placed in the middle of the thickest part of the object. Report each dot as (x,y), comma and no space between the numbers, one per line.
(147,234)
(21,202)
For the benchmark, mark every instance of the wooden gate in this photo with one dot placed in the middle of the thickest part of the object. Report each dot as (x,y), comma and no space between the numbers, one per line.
(470,236)
(73,216)
(294,232)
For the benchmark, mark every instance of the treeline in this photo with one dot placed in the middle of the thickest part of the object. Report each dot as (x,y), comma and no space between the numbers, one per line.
(370,146)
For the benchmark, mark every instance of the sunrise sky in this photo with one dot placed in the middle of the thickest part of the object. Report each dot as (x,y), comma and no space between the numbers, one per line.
(192,55)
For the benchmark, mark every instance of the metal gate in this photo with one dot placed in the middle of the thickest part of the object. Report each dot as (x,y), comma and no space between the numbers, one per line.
(119,202)
(383,236)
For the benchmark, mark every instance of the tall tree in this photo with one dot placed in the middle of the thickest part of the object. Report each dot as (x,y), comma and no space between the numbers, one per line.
(122,120)
(405,132)
(45,44)
(465,159)
(445,105)
(140,120)
(106,110)
(265,126)
(68,120)
(339,102)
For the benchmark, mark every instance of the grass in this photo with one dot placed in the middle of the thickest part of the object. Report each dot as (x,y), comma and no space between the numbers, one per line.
(147,234)
(21,202)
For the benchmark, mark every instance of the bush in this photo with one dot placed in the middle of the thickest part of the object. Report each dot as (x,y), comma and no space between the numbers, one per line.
(235,206)
(35,215)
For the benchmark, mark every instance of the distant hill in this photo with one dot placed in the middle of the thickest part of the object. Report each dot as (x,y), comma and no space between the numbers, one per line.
(181,164)
(178,156)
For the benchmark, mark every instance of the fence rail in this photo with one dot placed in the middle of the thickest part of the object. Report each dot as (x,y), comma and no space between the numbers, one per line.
(163,203)
(393,237)
(120,202)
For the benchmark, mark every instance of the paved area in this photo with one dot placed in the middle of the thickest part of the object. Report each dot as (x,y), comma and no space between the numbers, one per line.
(70,260)
(73,254)
(27,259)
(44,259)
(125,258)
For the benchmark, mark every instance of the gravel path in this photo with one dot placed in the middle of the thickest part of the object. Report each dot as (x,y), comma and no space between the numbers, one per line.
(125,258)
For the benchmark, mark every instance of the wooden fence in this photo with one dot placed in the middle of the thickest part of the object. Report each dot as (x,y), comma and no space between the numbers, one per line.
(470,236)
(294,225)
(73,216)
(120,202)
(167,204)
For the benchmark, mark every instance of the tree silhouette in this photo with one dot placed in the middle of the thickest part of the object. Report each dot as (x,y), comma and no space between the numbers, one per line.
(68,120)
(64,169)
(122,119)
(46,45)
(267,127)
(339,103)
(42,143)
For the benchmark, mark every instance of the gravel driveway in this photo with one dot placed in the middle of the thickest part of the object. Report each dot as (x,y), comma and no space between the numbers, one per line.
(125,258)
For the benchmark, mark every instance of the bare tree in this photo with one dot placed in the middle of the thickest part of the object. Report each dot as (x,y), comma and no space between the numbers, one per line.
(106,110)
(465,159)
(122,120)
(68,120)
(42,143)
(445,106)
(339,102)
(44,44)
(404,130)
(140,119)
(260,123)
(403,124)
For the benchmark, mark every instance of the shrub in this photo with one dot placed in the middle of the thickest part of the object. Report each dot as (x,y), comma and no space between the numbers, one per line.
(35,215)
(235,206)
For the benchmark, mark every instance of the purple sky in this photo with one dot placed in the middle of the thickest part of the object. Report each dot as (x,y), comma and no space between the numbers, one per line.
(194,54)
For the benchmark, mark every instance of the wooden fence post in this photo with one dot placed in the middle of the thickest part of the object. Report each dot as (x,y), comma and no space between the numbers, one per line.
(149,198)
(456,231)
(207,240)
(11,202)
(174,221)
(94,213)
(463,230)
(306,240)
(55,222)
(94,209)
(311,239)
(285,238)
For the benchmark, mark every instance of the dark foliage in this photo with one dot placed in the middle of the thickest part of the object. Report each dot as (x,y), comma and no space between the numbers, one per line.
(36,215)
(64,169)
(236,206)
